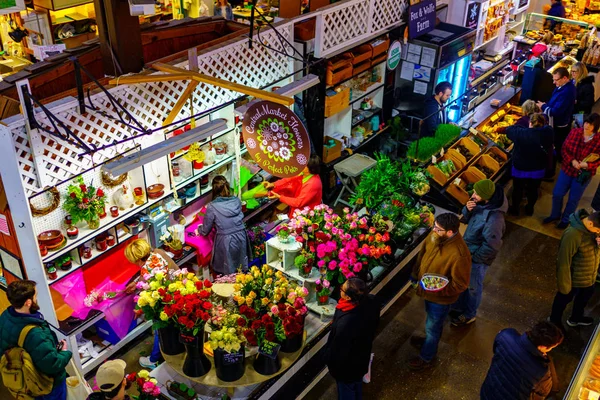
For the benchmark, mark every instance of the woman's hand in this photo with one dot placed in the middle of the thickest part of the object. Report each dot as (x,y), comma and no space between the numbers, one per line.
(575,164)
(130,288)
(268,185)
(583,165)
(273,196)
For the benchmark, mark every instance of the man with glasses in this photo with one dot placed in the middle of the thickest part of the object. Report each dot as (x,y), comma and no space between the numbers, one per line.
(577,267)
(484,214)
(444,253)
(560,108)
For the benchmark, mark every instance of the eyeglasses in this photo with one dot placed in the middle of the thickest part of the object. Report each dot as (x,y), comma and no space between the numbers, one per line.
(438,229)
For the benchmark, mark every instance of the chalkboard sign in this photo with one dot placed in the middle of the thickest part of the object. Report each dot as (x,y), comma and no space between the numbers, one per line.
(472,15)
(269,349)
(189,339)
(233,358)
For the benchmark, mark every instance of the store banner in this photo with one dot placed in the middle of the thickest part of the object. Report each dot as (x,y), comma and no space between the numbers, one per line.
(421,18)
(276,139)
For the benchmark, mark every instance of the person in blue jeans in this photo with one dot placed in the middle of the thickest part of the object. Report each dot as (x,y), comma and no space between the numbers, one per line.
(581,158)
(444,254)
(484,215)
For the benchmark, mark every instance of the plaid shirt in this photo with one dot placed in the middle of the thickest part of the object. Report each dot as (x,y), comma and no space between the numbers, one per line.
(575,148)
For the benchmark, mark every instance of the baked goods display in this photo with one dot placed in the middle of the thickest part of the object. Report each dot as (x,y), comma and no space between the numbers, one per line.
(591,386)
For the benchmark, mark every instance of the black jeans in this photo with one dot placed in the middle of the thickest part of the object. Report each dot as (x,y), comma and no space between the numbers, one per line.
(530,187)
(581,295)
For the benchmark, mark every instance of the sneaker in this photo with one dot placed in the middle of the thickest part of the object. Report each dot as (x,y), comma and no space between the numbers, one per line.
(584,321)
(146,363)
(562,225)
(457,313)
(417,341)
(418,364)
(549,220)
(461,320)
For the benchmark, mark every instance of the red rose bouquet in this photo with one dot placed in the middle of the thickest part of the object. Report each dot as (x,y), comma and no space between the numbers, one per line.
(85,203)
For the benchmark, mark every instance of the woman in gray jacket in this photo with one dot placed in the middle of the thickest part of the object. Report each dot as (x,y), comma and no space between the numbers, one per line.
(231,246)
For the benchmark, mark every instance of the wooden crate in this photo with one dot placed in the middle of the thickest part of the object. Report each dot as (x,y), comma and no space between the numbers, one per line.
(438,175)
(379,59)
(488,162)
(499,153)
(459,192)
(335,104)
(331,153)
(366,65)
(361,53)
(469,144)
(380,48)
(339,69)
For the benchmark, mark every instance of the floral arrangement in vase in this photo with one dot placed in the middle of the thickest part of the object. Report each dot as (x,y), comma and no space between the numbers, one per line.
(304,262)
(172,241)
(257,237)
(190,306)
(291,316)
(85,203)
(228,339)
(148,387)
(196,156)
(283,233)
(323,291)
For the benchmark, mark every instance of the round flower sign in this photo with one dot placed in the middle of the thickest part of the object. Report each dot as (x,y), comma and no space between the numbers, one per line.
(276,139)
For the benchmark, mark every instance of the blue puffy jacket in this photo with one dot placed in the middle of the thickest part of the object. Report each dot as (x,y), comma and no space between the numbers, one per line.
(519,371)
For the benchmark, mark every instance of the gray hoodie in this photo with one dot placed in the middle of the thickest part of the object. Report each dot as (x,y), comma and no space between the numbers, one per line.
(486,228)
(231,246)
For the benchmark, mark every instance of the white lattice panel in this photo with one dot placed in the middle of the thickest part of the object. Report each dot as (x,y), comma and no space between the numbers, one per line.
(386,14)
(150,103)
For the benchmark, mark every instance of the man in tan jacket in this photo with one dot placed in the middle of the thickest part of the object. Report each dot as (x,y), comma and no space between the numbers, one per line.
(446,254)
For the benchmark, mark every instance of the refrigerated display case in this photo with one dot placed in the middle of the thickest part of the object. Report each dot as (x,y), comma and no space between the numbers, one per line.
(457,74)
(586,381)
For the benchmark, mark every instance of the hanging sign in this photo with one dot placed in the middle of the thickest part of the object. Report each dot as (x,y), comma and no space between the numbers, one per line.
(421,18)
(472,15)
(276,139)
(394,55)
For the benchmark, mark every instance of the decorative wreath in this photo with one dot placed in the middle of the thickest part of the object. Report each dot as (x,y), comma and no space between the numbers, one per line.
(110,182)
(40,212)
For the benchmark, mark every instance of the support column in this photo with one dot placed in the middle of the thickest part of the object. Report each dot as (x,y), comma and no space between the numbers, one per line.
(120,37)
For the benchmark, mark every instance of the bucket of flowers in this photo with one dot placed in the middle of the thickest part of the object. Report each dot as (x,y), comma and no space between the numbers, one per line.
(304,262)
(146,386)
(85,203)
(227,344)
(172,242)
(323,291)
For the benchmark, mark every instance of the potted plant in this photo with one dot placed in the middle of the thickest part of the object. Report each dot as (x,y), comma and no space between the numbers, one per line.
(172,242)
(64,262)
(85,203)
(304,262)
(323,291)
(148,387)
(196,156)
(180,390)
(227,344)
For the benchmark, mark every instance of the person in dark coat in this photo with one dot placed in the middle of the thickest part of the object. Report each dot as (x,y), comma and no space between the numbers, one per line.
(231,246)
(585,89)
(348,351)
(49,356)
(521,368)
(557,9)
(532,147)
(432,108)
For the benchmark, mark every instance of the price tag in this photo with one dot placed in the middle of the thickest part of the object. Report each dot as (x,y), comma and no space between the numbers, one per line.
(442,152)
(269,349)
(457,181)
(433,159)
(232,358)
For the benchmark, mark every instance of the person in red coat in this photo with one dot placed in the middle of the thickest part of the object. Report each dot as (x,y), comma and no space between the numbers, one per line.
(304,190)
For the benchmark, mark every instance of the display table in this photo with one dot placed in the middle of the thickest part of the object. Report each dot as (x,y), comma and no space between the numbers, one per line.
(250,378)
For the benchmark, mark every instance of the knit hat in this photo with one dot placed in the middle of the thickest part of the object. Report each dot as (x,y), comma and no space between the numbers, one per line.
(485,189)
(110,375)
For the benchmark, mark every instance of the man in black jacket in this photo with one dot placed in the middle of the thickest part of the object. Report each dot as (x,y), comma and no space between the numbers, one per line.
(350,341)
(521,368)
(432,108)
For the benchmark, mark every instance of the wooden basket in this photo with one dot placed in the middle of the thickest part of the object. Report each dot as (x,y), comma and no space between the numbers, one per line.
(361,67)
(459,192)
(378,60)
(339,69)
(361,53)
(488,162)
(496,151)
(439,176)
(380,48)
(335,104)
(469,144)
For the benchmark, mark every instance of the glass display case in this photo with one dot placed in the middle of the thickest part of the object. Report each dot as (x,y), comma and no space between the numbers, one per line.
(537,26)
(586,381)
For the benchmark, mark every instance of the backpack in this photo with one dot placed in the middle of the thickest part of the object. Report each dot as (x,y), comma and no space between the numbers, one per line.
(19,375)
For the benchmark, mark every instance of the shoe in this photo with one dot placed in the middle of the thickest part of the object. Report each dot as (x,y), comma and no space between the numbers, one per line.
(146,363)
(418,364)
(584,321)
(562,225)
(549,220)
(461,320)
(457,313)
(417,341)
(528,211)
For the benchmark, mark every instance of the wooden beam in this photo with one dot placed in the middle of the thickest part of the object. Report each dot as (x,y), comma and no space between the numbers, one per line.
(181,102)
(261,94)
(150,78)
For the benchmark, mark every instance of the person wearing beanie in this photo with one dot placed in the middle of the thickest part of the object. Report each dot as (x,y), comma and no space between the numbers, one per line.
(111,380)
(484,216)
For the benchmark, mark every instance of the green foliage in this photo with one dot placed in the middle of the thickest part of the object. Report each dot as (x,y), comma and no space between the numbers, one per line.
(428,146)
(397,131)
(84,203)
